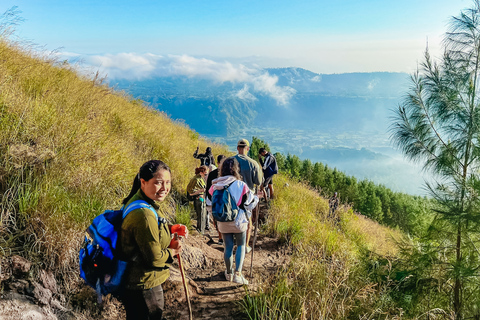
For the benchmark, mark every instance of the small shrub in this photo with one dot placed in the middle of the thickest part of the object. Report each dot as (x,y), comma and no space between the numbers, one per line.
(183,216)
(276,302)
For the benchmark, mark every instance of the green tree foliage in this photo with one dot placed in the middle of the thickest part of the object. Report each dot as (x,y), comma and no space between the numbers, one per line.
(329,186)
(307,169)
(318,175)
(281,161)
(293,165)
(410,213)
(256,144)
(350,191)
(369,203)
(384,195)
(438,125)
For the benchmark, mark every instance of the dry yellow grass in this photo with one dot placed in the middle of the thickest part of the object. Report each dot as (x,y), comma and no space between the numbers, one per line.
(300,215)
(377,238)
(71,147)
(324,280)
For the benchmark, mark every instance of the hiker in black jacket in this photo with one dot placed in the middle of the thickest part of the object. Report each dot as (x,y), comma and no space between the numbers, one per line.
(206,159)
(269,167)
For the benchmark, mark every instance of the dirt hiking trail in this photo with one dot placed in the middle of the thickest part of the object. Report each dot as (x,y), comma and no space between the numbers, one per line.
(212,297)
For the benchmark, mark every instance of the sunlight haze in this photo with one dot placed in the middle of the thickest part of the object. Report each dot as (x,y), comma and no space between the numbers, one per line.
(321,36)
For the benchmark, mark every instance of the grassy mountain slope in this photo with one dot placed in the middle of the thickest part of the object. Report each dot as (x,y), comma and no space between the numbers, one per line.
(70,147)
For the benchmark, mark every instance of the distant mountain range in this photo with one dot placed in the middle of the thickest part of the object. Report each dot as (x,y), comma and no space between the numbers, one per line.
(359,100)
(326,118)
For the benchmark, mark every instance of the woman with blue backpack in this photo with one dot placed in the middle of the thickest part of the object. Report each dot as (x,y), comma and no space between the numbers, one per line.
(145,242)
(232,202)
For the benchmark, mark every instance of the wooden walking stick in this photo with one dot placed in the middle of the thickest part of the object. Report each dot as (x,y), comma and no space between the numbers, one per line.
(185,287)
(254,238)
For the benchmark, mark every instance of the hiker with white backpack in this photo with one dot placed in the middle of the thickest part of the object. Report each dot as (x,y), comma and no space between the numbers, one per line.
(146,243)
(232,202)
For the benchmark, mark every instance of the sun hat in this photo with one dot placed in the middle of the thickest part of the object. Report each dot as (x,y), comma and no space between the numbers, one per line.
(243,143)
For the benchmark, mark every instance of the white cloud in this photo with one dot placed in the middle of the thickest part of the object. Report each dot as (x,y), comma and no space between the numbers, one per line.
(143,66)
(125,65)
(268,84)
(244,94)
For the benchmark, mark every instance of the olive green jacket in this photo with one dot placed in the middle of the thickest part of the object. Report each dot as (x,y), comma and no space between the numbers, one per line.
(195,184)
(145,245)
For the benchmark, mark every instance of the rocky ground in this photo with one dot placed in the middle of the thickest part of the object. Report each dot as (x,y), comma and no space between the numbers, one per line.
(211,296)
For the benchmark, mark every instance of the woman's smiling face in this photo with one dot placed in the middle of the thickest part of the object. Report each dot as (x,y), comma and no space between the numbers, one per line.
(159,186)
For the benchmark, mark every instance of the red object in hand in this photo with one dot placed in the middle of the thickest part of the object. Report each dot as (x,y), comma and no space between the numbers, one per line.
(180,229)
(174,243)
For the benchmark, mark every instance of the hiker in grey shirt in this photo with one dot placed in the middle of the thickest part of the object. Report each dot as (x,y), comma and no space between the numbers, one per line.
(249,169)
(251,174)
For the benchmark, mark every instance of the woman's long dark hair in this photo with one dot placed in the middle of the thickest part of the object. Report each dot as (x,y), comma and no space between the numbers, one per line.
(230,167)
(147,171)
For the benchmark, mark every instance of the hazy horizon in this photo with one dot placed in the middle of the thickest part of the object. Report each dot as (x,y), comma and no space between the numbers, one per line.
(321,36)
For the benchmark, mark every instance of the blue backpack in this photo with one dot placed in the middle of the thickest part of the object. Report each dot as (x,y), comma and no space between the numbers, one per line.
(99,266)
(224,206)
(272,167)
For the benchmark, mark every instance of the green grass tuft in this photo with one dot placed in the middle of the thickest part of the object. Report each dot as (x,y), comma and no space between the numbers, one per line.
(184,215)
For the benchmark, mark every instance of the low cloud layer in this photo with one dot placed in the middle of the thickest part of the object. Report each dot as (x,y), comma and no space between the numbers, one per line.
(134,66)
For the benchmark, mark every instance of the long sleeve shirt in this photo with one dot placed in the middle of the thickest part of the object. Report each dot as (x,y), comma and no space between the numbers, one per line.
(195,184)
(250,171)
(144,244)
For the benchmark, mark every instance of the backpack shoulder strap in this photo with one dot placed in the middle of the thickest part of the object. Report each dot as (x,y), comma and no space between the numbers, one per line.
(226,189)
(228,186)
(139,204)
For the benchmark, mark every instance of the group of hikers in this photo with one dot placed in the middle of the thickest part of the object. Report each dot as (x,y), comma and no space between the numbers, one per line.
(146,239)
(226,195)
(199,190)
(239,175)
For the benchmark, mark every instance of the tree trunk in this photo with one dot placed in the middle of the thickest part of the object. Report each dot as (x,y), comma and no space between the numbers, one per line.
(457,303)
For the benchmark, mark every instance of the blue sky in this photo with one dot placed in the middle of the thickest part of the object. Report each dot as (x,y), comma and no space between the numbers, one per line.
(321,36)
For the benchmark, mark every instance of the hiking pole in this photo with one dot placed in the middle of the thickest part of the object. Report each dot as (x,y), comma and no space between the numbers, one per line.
(185,287)
(254,238)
